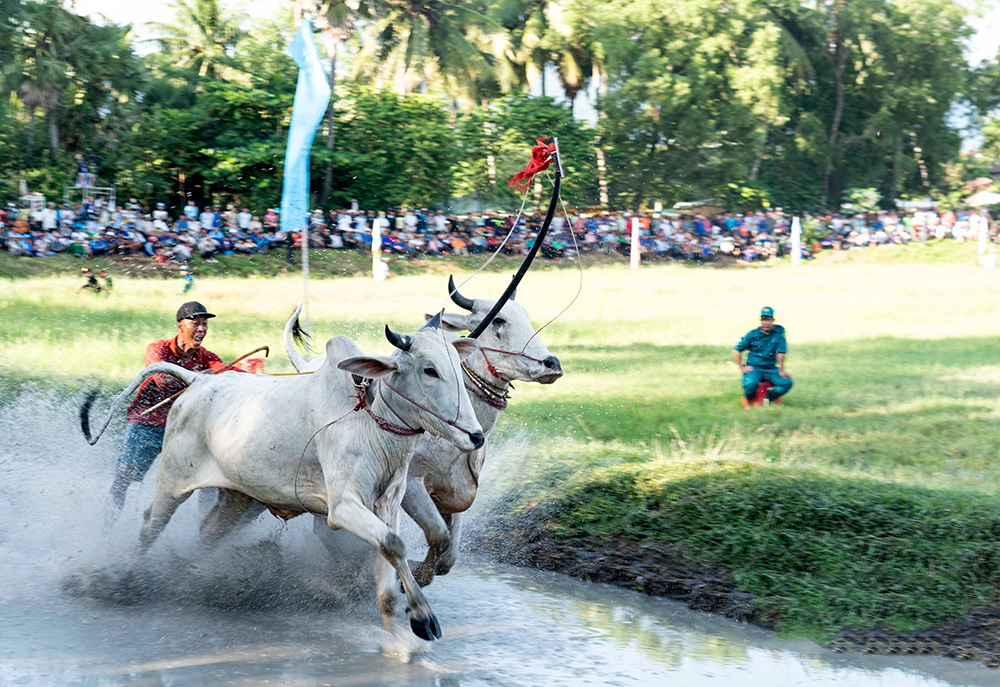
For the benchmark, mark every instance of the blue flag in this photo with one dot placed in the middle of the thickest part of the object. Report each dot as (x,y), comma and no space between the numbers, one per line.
(312,94)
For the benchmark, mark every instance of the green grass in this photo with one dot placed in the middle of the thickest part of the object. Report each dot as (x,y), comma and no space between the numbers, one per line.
(872,495)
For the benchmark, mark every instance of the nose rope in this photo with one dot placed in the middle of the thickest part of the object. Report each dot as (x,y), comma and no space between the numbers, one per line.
(493,370)
(382,422)
(423,408)
(449,349)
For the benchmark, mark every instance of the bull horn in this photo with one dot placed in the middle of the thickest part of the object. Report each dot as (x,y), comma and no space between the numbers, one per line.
(400,341)
(434,322)
(460,300)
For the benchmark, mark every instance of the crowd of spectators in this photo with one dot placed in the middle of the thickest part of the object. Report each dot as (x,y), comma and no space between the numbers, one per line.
(93,228)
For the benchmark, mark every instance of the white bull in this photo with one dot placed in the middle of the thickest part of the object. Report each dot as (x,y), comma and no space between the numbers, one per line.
(294,445)
(443,478)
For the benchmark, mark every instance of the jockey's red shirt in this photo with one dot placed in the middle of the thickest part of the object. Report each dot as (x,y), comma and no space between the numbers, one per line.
(161,386)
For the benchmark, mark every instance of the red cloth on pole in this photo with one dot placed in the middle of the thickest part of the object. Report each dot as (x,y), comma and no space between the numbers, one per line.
(541,158)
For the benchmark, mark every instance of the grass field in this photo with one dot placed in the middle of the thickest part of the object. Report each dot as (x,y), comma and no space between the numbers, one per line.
(872,495)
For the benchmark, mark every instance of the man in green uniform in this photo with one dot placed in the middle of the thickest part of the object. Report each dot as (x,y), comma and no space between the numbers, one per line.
(766,361)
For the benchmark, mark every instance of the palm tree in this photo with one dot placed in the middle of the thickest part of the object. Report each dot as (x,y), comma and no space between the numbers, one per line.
(337,20)
(44,64)
(411,43)
(11,11)
(107,74)
(202,38)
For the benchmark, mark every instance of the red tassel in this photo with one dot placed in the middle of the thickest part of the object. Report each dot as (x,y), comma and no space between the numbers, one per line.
(541,158)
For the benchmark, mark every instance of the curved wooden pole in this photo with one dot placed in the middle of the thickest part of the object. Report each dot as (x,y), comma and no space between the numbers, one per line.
(526,263)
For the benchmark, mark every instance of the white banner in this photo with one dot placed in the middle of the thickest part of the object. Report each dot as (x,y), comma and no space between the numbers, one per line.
(980,224)
(379,271)
(796,247)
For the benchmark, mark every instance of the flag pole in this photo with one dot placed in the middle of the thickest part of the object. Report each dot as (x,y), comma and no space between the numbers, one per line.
(305,275)
(312,96)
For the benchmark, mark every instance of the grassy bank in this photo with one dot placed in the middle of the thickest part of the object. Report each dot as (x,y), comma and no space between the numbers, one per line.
(872,495)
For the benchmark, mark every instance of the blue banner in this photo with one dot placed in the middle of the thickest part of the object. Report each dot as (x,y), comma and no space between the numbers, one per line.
(312,94)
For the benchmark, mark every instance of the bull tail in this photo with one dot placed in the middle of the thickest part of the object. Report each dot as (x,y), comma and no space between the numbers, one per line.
(186,376)
(85,413)
(295,334)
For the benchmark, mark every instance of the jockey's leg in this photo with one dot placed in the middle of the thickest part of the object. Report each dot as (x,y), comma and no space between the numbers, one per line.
(782,385)
(750,381)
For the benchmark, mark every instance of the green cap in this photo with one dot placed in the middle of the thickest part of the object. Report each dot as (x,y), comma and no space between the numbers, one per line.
(767,312)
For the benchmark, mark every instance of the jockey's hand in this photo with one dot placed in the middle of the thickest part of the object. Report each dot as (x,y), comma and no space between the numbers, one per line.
(747,368)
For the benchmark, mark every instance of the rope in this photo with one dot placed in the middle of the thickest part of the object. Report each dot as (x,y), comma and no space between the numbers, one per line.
(362,403)
(423,408)
(381,422)
(493,395)
(579,263)
(295,482)
(534,166)
(503,243)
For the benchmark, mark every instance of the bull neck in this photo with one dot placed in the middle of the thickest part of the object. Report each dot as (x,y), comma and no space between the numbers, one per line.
(382,408)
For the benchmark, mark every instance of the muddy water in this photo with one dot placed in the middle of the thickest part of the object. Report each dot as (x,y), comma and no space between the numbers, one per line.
(271,607)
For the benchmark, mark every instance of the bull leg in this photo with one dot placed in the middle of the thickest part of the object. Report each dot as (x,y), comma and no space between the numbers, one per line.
(158,515)
(418,505)
(225,515)
(385,595)
(450,553)
(351,514)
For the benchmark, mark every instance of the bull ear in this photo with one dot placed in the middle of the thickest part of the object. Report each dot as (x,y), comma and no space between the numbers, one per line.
(465,347)
(370,366)
(454,323)
(449,322)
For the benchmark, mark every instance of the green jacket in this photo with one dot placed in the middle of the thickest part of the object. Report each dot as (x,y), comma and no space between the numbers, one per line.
(764,348)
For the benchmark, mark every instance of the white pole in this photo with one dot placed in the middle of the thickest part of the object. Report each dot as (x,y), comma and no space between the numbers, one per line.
(305,274)
(378,269)
(983,226)
(635,244)
(796,241)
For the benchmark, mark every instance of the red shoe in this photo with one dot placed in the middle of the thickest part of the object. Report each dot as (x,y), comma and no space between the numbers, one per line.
(744,402)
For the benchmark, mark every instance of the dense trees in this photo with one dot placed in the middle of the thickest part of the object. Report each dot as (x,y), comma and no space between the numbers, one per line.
(749,102)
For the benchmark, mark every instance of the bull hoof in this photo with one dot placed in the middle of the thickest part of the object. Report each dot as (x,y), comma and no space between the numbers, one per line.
(426,628)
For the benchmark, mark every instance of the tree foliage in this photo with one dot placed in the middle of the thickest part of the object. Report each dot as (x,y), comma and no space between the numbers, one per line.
(749,102)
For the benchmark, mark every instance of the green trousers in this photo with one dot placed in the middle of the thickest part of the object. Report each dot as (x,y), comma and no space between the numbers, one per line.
(751,379)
